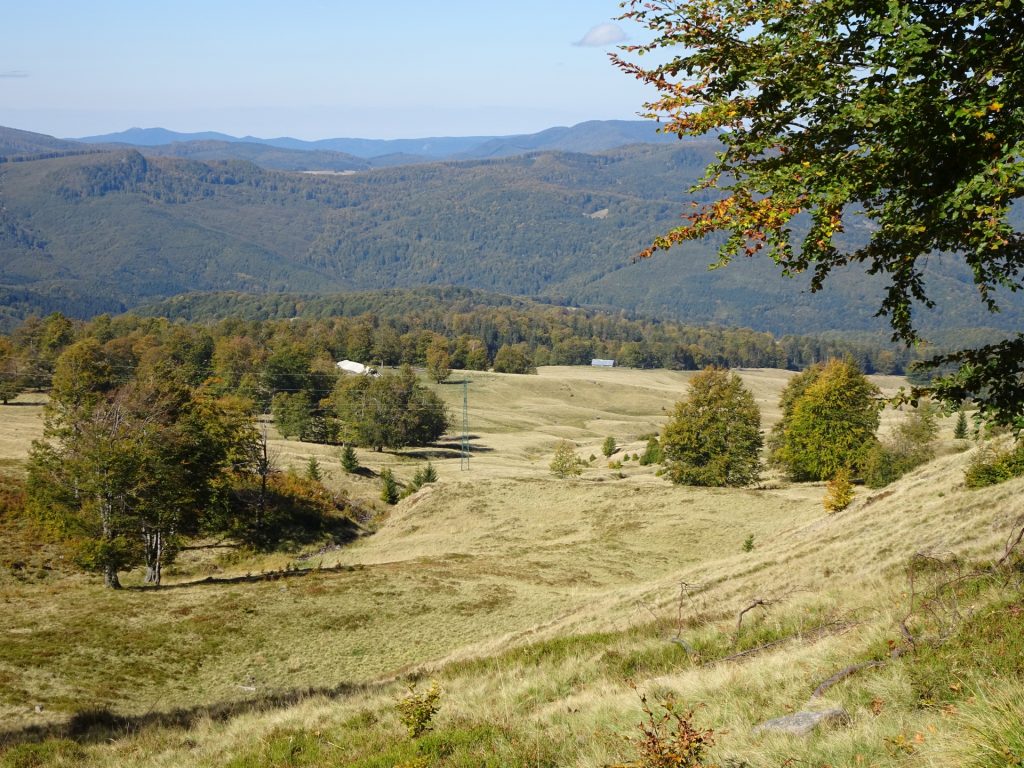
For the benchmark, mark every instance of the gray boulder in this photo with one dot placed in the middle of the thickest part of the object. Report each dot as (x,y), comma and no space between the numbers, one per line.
(802,723)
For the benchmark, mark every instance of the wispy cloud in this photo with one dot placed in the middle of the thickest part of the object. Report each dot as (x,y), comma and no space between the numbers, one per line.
(13,73)
(602,35)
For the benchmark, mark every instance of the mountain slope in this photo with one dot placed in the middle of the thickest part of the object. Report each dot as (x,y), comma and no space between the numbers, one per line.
(15,143)
(112,229)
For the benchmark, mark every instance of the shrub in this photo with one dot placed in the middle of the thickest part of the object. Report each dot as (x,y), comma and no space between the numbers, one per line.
(652,453)
(839,491)
(990,466)
(911,444)
(670,740)
(416,710)
(748,543)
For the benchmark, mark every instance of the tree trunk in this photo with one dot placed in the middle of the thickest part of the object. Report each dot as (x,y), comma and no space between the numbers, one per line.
(110,579)
(154,541)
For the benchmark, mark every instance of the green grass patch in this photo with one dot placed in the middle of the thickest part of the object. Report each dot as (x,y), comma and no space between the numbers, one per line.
(987,646)
(54,753)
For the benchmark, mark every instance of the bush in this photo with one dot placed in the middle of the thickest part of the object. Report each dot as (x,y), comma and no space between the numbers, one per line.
(911,445)
(608,447)
(652,453)
(839,491)
(670,740)
(416,710)
(990,466)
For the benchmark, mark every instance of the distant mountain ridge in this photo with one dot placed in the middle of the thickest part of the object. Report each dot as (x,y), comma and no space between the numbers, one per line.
(589,136)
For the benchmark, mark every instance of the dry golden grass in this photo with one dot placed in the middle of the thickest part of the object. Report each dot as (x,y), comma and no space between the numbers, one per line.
(21,422)
(465,576)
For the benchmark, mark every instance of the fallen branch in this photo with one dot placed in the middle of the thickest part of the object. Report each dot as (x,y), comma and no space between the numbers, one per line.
(842,675)
(814,634)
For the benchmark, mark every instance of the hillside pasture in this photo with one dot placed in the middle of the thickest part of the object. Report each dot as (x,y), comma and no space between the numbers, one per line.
(535,601)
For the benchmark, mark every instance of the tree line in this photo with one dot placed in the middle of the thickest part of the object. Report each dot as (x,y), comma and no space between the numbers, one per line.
(258,359)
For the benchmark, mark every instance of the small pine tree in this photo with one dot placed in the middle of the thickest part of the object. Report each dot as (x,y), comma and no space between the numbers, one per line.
(748,543)
(839,491)
(429,473)
(960,430)
(389,487)
(565,462)
(349,461)
(608,447)
(313,470)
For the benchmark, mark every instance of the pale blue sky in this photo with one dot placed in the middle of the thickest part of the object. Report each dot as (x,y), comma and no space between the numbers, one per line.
(311,68)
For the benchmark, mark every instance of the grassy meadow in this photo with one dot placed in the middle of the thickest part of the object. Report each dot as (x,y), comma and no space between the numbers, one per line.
(541,606)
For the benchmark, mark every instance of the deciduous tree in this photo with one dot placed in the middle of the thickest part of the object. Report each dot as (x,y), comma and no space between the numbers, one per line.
(389,411)
(714,436)
(828,422)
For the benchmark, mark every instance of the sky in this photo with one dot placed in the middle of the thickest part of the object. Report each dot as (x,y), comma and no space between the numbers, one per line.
(313,69)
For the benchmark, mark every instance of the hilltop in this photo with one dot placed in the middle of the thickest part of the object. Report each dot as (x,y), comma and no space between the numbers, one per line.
(536,603)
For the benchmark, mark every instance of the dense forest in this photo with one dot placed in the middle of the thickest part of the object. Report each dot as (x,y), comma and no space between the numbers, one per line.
(261,346)
(106,231)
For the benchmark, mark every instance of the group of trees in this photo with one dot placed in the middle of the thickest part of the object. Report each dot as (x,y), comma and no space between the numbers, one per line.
(143,449)
(129,466)
(295,359)
(830,414)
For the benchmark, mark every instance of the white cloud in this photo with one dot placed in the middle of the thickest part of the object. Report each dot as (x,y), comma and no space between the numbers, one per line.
(602,35)
(14,73)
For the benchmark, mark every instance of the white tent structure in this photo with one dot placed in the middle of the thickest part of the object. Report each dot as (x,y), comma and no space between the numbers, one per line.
(351,366)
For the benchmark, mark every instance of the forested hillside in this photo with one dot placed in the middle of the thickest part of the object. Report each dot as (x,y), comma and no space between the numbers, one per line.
(102,232)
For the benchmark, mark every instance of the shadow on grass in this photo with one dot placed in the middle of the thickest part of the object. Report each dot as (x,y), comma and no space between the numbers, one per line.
(448,450)
(249,578)
(94,726)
